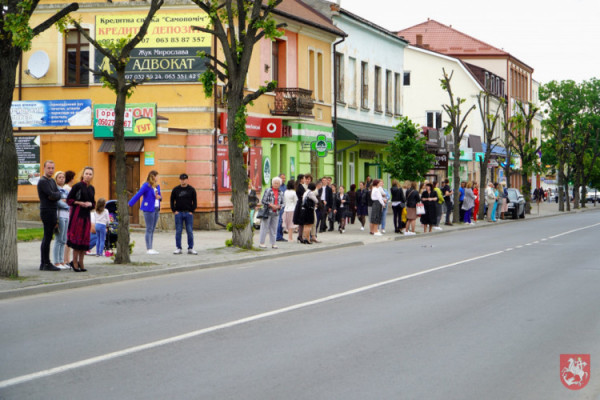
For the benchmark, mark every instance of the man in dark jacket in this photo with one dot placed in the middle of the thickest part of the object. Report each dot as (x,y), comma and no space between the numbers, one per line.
(183,205)
(447,193)
(49,196)
(325,197)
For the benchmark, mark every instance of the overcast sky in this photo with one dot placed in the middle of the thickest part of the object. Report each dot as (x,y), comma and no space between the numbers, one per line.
(558,39)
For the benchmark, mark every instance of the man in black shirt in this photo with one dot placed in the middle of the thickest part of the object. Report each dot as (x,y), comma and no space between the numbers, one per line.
(447,193)
(183,205)
(49,196)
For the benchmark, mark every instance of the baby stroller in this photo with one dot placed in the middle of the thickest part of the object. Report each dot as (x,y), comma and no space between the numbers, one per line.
(111,229)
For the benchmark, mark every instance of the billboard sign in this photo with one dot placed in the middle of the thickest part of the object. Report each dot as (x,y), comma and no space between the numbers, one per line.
(168,52)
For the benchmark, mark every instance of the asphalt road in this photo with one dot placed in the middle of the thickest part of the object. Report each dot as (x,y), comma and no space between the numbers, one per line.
(476,314)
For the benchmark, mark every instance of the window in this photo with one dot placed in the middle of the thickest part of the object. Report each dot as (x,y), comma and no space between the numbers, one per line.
(320,90)
(364,85)
(497,85)
(406,79)
(77,59)
(315,74)
(388,92)
(377,84)
(339,76)
(278,63)
(352,81)
(434,119)
(311,72)
(397,94)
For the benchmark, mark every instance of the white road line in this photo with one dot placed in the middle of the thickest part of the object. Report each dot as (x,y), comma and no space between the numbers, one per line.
(256,317)
(136,349)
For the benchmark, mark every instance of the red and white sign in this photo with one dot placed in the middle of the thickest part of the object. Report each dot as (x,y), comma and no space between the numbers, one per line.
(266,128)
(575,370)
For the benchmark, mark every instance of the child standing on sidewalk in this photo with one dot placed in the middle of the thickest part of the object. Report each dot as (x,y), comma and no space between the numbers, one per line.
(100,220)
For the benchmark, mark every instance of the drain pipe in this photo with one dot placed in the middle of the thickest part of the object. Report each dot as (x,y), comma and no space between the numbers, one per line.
(335,97)
(216,123)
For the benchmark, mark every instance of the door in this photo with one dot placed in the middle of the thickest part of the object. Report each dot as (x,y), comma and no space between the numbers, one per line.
(132,179)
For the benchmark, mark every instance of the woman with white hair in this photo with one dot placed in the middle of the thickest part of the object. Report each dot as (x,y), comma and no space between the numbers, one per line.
(272,201)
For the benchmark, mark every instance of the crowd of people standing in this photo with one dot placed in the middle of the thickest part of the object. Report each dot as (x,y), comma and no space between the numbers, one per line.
(310,208)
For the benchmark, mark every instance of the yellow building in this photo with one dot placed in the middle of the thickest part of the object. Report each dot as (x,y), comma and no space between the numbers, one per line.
(61,107)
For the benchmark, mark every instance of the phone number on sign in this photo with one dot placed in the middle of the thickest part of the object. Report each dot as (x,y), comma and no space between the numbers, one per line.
(172,77)
(111,122)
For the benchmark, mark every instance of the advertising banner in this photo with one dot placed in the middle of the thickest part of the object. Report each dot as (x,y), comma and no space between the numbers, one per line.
(266,128)
(140,120)
(254,169)
(168,52)
(28,154)
(224,180)
(41,113)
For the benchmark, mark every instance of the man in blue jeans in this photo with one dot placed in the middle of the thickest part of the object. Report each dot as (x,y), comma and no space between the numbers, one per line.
(183,205)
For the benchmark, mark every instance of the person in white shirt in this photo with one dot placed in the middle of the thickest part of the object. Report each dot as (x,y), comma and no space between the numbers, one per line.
(377,208)
(290,198)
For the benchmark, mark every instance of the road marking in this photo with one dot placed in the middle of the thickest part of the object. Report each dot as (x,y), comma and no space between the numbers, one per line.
(136,349)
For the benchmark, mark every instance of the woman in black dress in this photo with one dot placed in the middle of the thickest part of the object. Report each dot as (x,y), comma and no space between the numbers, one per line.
(429,199)
(300,189)
(81,199)
(307,212)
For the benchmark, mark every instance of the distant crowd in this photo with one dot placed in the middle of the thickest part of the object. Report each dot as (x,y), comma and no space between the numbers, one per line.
(305,207)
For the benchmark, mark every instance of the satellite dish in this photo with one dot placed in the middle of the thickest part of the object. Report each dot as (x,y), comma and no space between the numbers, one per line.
(38,64)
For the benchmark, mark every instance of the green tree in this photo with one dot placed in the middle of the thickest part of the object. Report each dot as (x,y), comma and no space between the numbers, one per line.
(16,36)
(563,104)
(406,156)
(456,127)
(490,120)
(237,25)
(118,54)
(519,129)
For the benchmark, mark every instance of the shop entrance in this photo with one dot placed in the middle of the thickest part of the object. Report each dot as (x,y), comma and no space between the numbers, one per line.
(373,170)
(132,179)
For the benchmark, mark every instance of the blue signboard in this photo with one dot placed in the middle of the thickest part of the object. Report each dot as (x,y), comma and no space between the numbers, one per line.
(43,113)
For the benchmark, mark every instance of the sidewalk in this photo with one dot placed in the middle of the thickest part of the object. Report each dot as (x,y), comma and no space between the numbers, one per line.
(212,253)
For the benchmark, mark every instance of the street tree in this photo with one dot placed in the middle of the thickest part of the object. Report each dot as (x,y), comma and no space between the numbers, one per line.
(490,120)
(406,155)
(519,128)
(562,105)
(15,38)
(237,25)
(585,143)
(118,54)
(456,127)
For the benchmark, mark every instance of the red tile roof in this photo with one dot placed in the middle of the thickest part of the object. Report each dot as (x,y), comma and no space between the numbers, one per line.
(299,11)
(445,39)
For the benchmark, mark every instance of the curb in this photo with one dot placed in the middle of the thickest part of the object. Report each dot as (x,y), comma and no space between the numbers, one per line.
(54,287)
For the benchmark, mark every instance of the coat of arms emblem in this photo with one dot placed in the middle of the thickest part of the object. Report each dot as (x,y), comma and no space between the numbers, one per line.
(575,370)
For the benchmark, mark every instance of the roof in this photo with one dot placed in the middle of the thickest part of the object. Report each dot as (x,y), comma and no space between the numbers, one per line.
(445,39)
(301,12)
(363,131)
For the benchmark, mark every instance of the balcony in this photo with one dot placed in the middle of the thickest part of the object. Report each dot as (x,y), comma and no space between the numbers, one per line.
(293,102)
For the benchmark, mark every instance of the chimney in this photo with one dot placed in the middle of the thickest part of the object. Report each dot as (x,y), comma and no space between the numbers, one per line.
(419,40)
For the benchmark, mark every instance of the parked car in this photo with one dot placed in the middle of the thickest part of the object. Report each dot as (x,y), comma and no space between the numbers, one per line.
(516,203)
(592,195)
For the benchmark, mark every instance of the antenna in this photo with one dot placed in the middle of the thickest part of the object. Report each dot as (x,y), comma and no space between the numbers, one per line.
(38,64)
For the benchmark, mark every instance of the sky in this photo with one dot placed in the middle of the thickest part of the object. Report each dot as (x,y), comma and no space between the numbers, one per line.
(560,40)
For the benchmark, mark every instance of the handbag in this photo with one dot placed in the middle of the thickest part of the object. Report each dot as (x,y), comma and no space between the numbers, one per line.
(420,209)
(263,213)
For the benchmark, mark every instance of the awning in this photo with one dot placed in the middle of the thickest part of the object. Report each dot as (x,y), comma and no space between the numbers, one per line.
(475,143)
(496,150)
(354,130)
(131,146)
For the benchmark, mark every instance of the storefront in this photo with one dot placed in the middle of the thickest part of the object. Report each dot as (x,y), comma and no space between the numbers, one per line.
(360,151)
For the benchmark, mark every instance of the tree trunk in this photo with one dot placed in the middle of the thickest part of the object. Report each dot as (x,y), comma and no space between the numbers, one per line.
(9,262)
(526,188)
(122,255)
(456,179)
(241,228)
